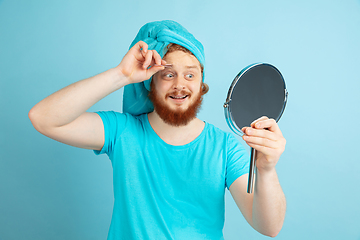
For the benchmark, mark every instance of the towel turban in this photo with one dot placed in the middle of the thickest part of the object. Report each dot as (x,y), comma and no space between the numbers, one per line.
(158,35)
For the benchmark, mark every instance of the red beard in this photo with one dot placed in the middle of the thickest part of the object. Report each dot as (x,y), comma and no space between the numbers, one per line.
(175,117)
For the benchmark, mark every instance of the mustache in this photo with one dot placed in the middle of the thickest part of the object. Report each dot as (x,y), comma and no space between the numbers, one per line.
(175,93)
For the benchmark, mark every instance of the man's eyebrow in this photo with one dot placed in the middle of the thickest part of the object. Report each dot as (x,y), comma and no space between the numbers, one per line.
(188,67)
(192,66)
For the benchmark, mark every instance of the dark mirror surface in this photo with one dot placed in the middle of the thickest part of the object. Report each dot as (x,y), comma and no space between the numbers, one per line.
(260,91)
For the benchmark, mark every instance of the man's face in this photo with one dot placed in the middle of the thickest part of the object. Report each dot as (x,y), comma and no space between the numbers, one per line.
(175,91)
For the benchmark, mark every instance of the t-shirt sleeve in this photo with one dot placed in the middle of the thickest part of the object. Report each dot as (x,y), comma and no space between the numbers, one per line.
(114,124)
(238,161)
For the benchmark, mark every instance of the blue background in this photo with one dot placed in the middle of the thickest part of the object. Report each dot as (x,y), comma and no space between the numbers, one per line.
(49,190)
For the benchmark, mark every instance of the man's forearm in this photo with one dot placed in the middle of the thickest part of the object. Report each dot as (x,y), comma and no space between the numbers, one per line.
(269,204)
(65,105)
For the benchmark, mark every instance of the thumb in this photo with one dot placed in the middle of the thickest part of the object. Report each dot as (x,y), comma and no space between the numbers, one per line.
(154,69)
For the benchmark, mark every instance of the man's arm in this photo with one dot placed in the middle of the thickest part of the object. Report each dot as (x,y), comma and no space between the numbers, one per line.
(62,116)
(265,208)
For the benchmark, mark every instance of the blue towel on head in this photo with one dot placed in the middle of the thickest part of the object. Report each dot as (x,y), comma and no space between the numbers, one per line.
(158,35)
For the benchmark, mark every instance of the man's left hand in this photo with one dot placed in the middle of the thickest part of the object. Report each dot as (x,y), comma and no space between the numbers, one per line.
(265,136)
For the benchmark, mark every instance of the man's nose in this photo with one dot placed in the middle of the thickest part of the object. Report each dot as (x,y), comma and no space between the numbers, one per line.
(179,83)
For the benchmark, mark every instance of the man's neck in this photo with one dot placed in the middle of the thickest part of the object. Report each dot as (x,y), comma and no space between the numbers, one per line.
(174,135)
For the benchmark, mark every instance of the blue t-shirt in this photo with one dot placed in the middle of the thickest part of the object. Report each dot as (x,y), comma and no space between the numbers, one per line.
(167,192)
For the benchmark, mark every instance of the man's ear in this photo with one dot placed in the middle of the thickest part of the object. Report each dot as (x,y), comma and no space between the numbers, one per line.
(204,88)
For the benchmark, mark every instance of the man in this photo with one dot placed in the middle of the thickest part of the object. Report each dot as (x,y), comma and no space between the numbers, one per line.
(170,168)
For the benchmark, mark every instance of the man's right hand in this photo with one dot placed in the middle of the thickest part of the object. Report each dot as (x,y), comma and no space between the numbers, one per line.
(138,64)
(62,116)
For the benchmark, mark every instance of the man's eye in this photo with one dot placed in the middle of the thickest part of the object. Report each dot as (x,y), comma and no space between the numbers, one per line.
(169,75)
(190,76)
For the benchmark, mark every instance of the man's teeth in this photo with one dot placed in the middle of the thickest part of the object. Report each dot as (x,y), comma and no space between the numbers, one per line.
(178,97)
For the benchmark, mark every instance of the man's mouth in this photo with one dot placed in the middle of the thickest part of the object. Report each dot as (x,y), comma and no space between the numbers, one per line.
(179,97)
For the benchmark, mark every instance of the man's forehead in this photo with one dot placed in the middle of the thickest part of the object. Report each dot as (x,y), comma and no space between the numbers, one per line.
(186,66)
(183,59)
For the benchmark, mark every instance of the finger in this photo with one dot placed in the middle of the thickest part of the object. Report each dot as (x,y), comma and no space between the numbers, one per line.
(143,47)
(257,120)
(139,50)
(265,142)
(154,69)
(148,59)
(243,129)
(263,133)
(157,57)
(265,150)
(269,124)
